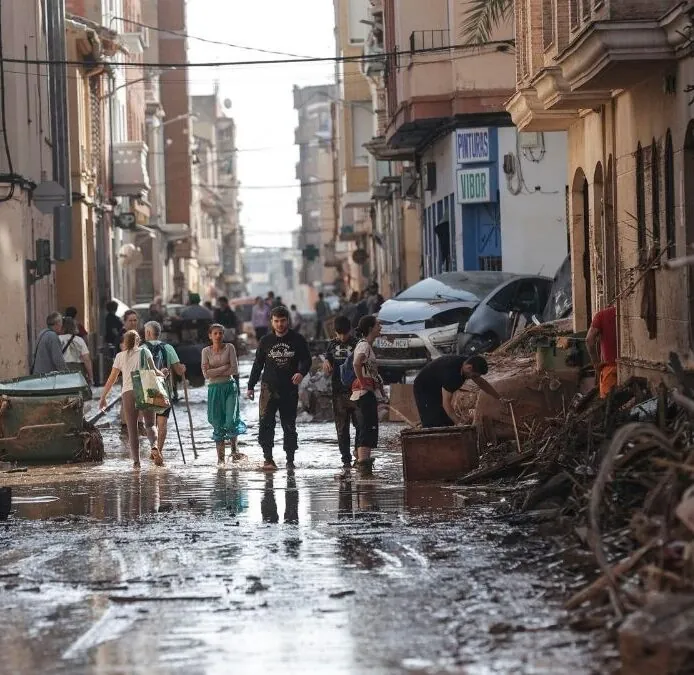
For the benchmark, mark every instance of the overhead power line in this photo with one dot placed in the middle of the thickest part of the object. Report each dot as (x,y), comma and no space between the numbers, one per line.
(503,46)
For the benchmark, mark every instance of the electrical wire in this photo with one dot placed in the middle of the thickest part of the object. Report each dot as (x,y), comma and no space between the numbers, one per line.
(499,45)
(3,111)
(183,34)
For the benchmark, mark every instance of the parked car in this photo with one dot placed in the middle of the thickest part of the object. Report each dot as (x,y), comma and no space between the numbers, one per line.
(425,320)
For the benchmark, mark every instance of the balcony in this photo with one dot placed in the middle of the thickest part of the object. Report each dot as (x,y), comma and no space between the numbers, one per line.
(130,175)
(209,252)
(436,83)
(603,48)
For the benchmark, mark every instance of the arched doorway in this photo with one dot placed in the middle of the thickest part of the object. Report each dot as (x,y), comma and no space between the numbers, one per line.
(598,248)
(580,251)
(610,255)
(689,216)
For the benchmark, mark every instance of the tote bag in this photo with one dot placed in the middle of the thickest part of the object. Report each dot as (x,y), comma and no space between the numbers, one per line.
(149,389)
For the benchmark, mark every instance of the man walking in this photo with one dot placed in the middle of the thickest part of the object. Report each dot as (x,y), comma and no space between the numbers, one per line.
(48,354)
(344,409)
(226,316)
(439,380)
(166,360)
(195,310)
(284,359)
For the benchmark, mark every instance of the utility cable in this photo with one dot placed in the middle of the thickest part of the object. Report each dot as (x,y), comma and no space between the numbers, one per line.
(3,110)
(499,45)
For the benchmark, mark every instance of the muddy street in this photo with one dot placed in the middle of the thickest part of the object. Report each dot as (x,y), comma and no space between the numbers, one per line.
(195,569)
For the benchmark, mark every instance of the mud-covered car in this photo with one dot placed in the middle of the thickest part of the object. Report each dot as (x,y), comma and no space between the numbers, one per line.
(425,320)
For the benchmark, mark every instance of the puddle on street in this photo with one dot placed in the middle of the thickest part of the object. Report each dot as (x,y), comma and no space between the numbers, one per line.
(191,569)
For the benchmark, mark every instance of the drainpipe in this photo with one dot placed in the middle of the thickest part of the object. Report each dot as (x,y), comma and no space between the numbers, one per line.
(60,137)
(614,222)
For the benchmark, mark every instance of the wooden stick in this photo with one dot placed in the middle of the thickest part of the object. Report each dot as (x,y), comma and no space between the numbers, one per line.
(408,421)
(602,582)
(515,428)
(101,413)
(190,417)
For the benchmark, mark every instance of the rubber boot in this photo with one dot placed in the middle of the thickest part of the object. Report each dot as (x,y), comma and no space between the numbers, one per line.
(365,467)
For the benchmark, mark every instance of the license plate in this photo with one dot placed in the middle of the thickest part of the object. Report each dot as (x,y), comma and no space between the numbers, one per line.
(392,343)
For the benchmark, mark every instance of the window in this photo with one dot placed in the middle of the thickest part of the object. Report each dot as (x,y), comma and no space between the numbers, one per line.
(669,196)
(640,204)
(362,132)
(547,23)
(655,194)
(358,11)
(490,263)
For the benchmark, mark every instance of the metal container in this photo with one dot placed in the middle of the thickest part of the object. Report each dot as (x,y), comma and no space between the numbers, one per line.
(441,453)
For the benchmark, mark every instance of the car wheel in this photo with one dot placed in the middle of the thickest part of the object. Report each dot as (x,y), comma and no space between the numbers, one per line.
(391,376)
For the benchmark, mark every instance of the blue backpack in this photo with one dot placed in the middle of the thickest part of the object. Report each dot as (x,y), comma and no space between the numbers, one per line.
(159,355)
(347,372)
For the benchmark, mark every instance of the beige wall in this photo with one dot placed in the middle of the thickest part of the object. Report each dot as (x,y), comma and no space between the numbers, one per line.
(638,115)
(23,307)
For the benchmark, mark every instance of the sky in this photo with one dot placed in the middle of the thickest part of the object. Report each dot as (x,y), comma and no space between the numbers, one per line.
(261,96)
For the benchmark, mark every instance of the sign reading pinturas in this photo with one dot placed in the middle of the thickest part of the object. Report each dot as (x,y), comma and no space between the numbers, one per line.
(472,145)
(473,186)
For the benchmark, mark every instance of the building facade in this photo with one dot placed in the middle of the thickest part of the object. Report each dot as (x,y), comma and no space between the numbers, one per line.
(318,204)
(28,240)
(615,76)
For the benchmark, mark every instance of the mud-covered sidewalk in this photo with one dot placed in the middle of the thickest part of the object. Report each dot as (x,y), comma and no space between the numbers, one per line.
(192,569)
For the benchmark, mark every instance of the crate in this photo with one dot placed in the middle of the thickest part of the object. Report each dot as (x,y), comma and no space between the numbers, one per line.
(441,453)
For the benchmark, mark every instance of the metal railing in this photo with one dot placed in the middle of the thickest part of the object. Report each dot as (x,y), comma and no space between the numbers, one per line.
(426,40)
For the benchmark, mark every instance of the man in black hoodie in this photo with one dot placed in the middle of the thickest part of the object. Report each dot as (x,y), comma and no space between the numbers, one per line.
(284,359)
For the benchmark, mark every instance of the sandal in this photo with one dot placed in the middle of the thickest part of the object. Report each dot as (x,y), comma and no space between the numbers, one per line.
(156,456)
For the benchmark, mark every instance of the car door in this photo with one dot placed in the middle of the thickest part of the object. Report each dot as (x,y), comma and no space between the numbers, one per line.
(499,320)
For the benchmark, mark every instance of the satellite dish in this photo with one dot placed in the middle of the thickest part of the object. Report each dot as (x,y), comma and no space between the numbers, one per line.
(130,255)
(227,103)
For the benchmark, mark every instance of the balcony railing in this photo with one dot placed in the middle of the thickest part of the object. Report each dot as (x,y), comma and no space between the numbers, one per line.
(429,40)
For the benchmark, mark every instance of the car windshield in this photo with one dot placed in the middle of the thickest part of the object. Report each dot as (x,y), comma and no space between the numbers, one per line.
(465,286)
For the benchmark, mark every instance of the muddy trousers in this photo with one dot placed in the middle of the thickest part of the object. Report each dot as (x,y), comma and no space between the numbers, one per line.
(345,412)
(271,403)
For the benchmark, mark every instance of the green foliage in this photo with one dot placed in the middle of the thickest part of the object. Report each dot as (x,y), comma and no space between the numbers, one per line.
(483,17)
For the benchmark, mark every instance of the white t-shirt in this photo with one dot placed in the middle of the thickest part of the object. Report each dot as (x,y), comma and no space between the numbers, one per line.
(364,349)
(126,362)
(76,350)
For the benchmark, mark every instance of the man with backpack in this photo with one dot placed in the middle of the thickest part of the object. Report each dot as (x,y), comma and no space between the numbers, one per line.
(166,360)
(344,410)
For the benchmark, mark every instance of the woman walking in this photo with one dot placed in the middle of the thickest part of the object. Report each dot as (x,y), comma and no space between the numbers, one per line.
(125,363)
(367,391)
(221,370)
(260,318)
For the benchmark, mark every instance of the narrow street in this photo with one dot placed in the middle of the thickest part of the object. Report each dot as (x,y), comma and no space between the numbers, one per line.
(192,569)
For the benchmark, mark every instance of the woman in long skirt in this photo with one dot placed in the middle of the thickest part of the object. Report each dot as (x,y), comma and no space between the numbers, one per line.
(221,370)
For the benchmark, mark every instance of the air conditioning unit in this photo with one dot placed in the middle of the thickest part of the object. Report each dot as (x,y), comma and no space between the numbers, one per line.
(408,183)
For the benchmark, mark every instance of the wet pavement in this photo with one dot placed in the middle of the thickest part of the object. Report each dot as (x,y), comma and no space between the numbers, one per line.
(192,569)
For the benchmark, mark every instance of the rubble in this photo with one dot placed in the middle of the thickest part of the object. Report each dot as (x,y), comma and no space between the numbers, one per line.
(619,496)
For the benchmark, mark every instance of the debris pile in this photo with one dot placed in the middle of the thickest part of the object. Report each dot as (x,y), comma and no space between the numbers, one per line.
(614,479)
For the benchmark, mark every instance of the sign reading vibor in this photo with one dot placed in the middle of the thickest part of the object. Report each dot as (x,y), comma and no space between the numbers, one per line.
(472,145)
(473,186)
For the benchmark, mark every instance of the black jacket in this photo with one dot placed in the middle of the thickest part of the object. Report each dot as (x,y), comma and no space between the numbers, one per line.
(279,359)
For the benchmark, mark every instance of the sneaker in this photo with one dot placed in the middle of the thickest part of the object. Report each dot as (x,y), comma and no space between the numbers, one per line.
(136,466)
(269,465)
(290,465)
(346,471)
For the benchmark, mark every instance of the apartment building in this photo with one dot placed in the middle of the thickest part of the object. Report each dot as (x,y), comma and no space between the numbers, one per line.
(487,198)
(615,77)
(34,162)
(355,119)
(316,171)
(180,207)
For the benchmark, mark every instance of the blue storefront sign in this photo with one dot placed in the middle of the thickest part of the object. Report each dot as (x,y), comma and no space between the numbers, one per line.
(472,146)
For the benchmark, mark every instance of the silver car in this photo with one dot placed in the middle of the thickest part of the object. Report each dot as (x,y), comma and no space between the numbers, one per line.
(429,319)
